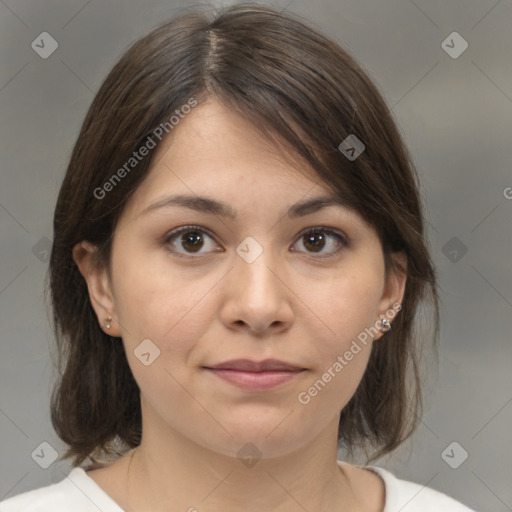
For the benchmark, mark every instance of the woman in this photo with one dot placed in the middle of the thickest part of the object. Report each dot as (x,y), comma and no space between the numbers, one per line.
(237,264)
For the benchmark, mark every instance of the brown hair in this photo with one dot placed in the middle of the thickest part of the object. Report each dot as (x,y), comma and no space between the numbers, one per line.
(300,89)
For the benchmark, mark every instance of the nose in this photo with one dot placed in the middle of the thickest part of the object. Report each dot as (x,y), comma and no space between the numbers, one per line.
(257,296)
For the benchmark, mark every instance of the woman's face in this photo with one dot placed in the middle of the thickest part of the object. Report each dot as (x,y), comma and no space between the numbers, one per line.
(254,286)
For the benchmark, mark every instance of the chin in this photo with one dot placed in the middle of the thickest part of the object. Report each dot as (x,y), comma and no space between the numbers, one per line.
(254,444)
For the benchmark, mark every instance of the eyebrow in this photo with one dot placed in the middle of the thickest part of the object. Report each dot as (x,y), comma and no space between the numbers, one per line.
(213,207)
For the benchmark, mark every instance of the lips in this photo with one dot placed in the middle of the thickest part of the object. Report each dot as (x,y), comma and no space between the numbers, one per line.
(255,376)
(246,365)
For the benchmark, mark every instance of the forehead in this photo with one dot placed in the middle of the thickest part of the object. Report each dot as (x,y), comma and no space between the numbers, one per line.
(215,153)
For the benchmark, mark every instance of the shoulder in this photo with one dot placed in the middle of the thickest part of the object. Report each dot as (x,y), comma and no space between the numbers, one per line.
(409,496)
(75,492)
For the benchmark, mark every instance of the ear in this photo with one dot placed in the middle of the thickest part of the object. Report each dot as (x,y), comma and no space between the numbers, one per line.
(99,286)
(394,288)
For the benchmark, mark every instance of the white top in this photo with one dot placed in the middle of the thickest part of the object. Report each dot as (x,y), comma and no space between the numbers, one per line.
(78,492)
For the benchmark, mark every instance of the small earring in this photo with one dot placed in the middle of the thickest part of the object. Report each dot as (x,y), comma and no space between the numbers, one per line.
(385,325)
(108,323)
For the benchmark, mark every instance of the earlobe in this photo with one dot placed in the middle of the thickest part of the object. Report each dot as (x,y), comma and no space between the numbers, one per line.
(98,285)
(394,291)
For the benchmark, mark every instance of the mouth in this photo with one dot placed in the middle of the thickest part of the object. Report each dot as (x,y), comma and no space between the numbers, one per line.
(255,376)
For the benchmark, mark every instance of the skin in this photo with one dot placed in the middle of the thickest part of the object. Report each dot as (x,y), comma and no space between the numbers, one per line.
(289,304)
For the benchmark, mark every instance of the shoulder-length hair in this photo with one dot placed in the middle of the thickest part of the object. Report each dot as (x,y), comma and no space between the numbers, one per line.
(301,90)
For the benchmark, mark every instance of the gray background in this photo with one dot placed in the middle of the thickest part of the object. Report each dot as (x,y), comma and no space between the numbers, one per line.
(456,117)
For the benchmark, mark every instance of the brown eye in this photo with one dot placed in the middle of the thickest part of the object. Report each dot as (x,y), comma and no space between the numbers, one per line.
(317,239)
(189,240)
(314,241)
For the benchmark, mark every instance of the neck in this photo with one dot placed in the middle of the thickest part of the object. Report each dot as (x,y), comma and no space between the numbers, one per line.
(179,474)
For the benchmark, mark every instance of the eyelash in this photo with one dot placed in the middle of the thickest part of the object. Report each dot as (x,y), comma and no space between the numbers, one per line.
(343,243)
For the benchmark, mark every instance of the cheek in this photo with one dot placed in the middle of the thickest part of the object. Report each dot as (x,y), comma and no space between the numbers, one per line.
(348,305)
(155,299)
(168,309)
(175,308)
(347,310)
(342,363)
